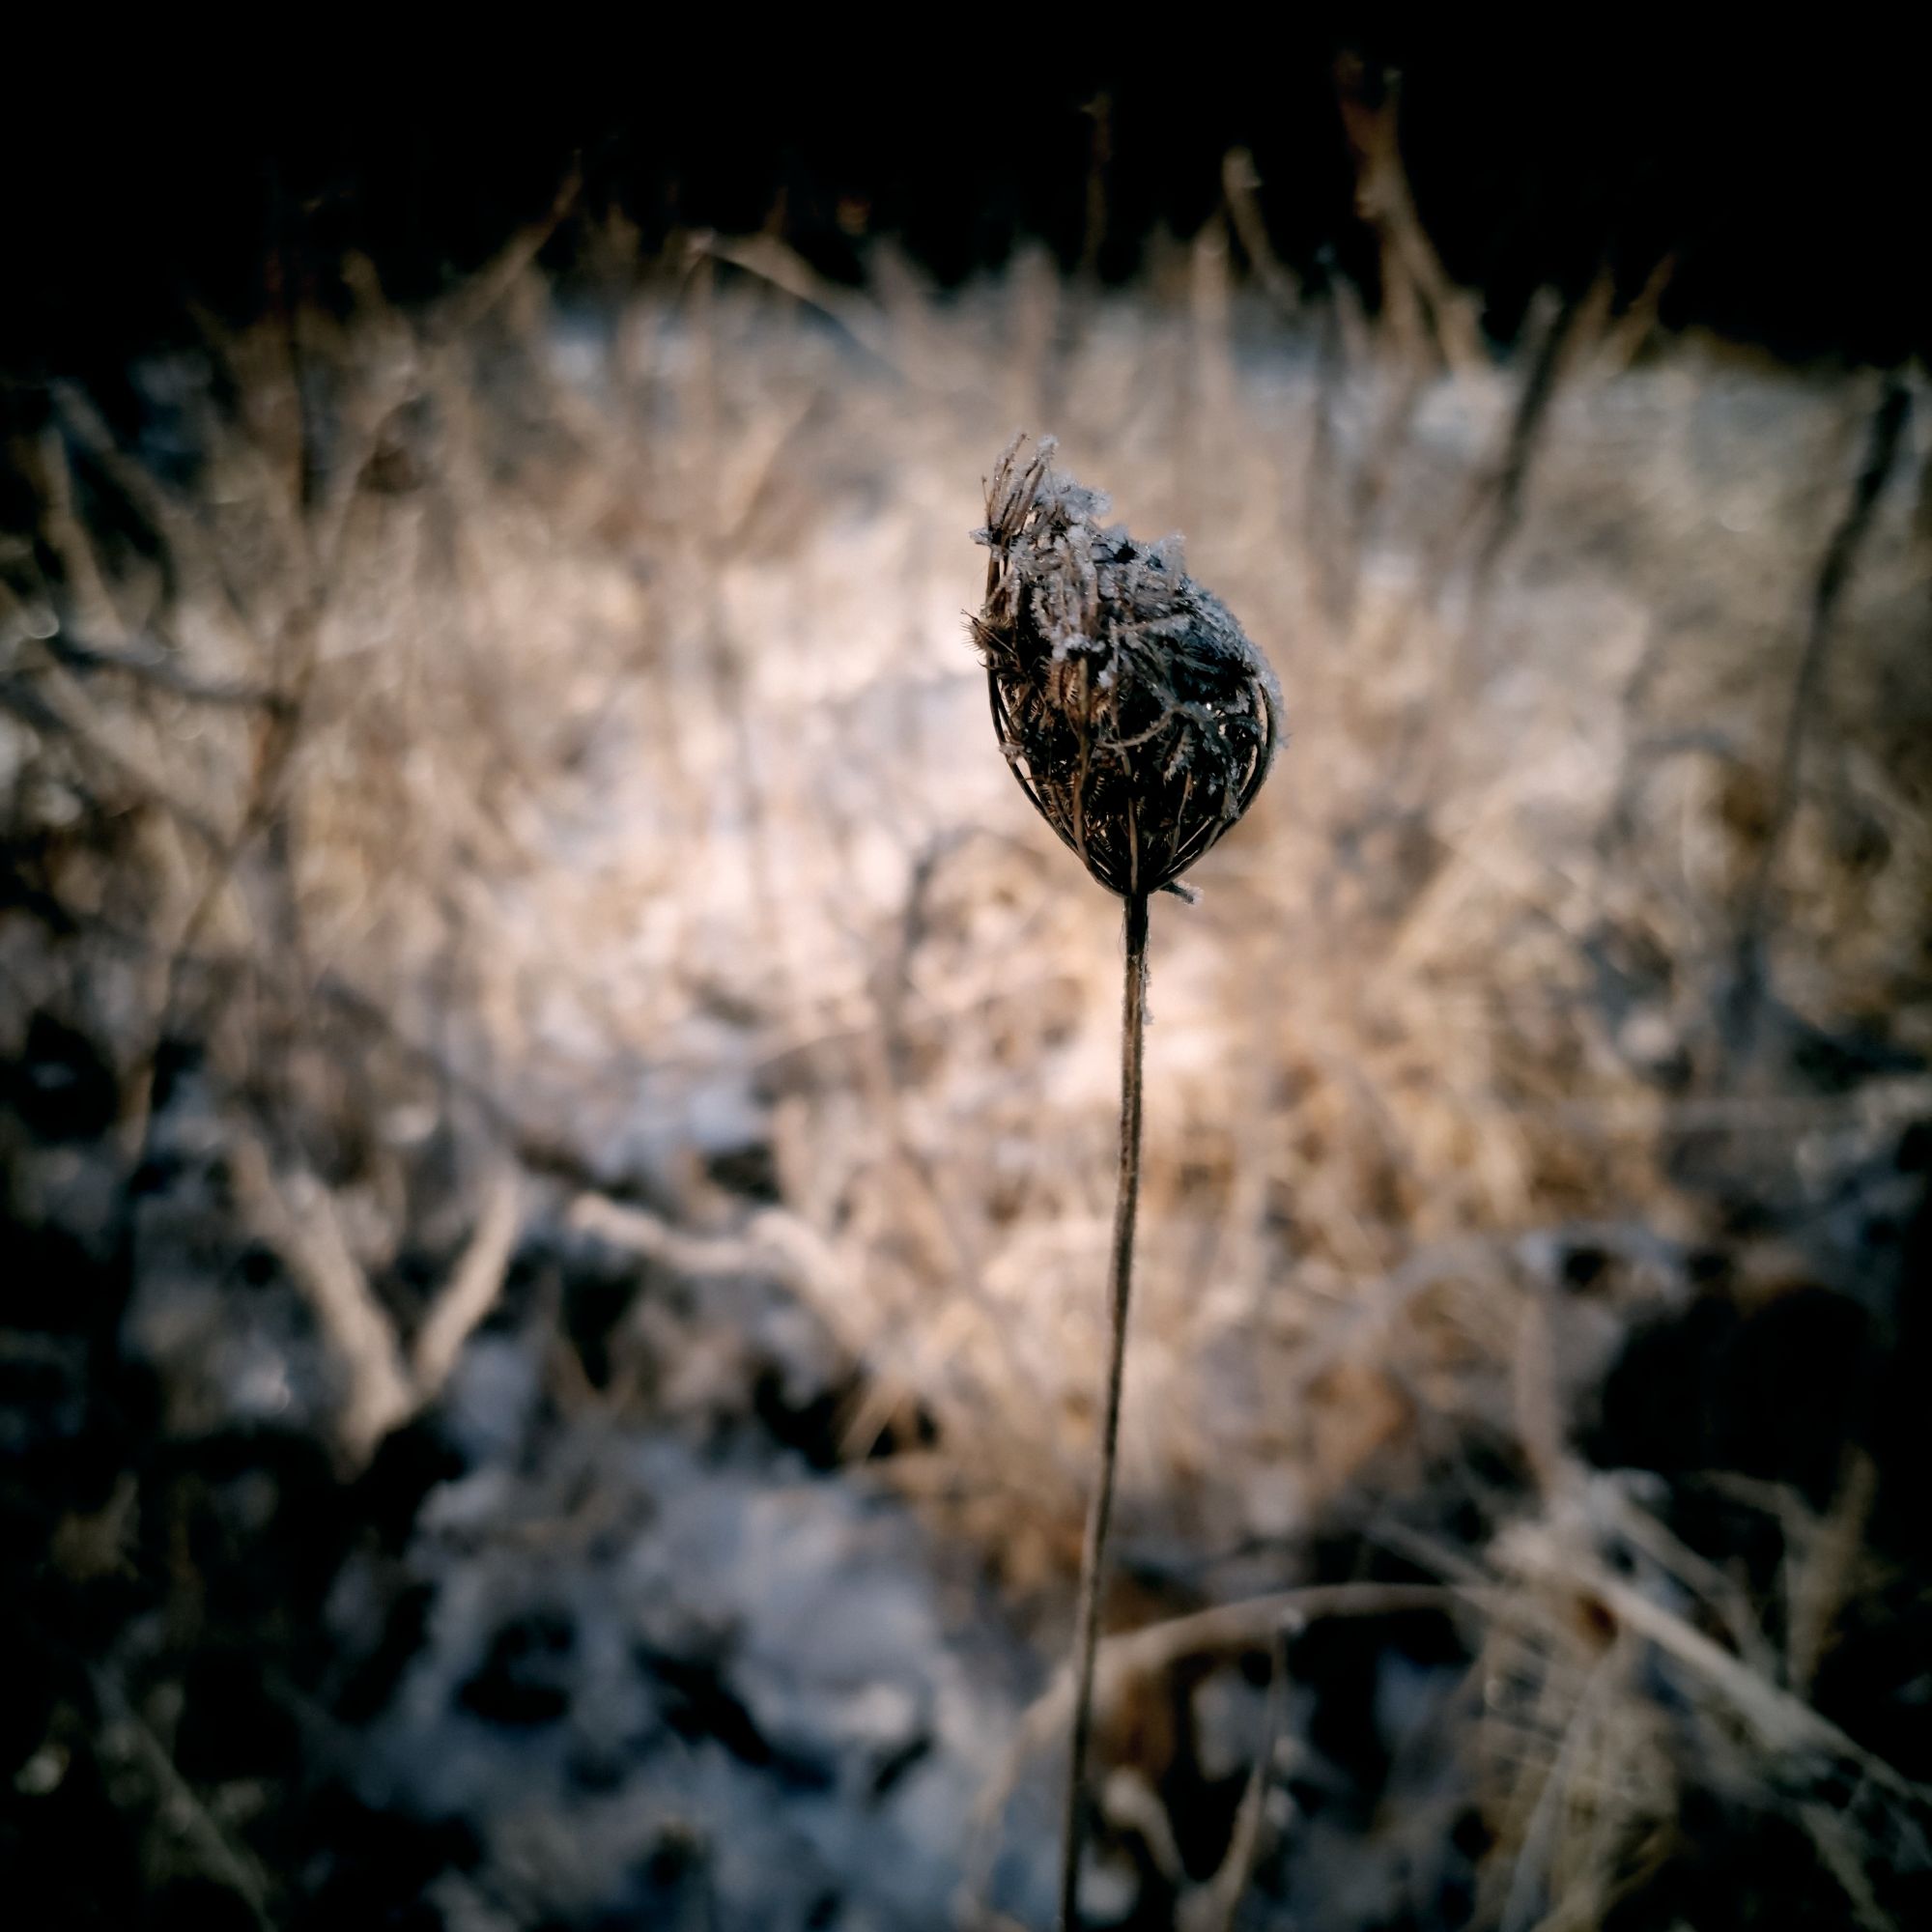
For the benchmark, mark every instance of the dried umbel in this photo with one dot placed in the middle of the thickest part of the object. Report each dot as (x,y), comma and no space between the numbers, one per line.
(1131,708)
(1141,722)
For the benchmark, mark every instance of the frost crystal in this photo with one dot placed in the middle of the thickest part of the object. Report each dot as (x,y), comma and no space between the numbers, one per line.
(1132,708)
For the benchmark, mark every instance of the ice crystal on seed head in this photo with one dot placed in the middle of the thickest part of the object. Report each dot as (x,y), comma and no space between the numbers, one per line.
(1130,704)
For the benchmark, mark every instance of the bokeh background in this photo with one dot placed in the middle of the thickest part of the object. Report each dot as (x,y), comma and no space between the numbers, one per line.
(557,1108)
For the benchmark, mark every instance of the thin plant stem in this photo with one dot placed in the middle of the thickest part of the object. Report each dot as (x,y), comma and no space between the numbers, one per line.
(1119,1289)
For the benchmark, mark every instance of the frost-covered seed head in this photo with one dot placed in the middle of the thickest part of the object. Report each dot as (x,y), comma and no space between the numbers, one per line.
(1132,708)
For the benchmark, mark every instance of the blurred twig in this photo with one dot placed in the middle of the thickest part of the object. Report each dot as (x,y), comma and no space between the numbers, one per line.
(1213,1906)
(1835,571)
(296,1216)
(153,665)
(768,258)
(1226,1629)
(232,1865)
(1782,1722)
(472,1289)
(1239,182)
(1412,272)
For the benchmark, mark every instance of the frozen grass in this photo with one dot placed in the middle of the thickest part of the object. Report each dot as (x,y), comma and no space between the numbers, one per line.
(539,755)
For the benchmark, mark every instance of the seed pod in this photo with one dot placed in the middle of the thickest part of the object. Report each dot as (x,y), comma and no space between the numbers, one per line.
(1133,711)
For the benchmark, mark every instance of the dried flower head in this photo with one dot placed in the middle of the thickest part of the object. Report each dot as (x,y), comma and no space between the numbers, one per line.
(1133,710)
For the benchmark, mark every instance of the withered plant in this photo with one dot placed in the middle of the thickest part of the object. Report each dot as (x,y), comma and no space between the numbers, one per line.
(1141,722)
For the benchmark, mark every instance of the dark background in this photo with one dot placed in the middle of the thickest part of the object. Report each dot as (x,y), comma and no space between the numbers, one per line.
(1786,178)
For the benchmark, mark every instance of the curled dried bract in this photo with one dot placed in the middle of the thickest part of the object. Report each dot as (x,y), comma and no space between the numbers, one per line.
(1131,706)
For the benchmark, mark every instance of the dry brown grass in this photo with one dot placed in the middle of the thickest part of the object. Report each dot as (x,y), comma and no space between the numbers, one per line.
(553,739)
